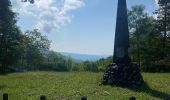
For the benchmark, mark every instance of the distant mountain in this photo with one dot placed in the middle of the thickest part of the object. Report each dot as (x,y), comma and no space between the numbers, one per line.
(84,57)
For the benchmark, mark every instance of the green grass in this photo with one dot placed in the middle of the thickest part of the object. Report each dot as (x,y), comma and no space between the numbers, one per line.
(71,86)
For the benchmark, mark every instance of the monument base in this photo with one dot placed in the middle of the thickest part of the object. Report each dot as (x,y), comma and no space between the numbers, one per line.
(123,74)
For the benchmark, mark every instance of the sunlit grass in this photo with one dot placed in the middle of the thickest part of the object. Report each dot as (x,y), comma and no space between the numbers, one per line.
(74,85)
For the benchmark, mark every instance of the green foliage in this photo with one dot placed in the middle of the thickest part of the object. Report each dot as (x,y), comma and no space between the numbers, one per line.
(10,36)
(37,40)
(76,67)
(34,46)
(54,61)
(163,21)
(146,41)
(98,66)
(158,66)
(103,63)
(70,64)
(137,18)
(31,50)
(163,16)
(90,66)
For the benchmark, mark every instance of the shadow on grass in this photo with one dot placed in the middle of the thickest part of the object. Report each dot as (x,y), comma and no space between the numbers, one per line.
(3,74)
(152,92)
(6,73)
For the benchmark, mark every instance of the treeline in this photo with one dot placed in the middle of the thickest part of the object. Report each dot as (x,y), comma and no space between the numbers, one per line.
(28,50)
(150,38)
(98,66)
(149,41)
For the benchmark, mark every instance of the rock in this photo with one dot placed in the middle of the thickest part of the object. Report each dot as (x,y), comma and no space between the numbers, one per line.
(123,74)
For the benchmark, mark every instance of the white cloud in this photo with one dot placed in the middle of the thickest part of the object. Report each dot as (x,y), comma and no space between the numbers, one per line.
(156,6)
(156,2)
(51,14)
(71,5)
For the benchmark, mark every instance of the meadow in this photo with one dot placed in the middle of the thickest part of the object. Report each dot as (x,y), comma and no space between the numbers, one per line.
(74,85)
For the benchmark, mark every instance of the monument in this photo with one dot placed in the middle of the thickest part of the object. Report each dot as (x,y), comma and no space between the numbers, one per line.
(122,71)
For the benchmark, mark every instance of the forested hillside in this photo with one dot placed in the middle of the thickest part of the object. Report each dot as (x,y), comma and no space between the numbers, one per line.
(30,50)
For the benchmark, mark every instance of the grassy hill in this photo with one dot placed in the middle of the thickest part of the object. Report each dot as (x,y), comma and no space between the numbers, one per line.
(71,86)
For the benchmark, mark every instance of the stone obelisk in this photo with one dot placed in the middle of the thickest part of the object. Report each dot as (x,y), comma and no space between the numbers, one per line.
(121,45)
(122,71)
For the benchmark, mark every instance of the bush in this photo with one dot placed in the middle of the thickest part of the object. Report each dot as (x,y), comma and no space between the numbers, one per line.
(90,66)
(53,67)
(75,68)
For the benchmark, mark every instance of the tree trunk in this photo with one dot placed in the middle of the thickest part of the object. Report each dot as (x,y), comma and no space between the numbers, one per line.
(165,33)
(138,45)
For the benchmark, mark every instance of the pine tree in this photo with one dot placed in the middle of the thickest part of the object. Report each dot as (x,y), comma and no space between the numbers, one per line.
(163,18)
(10,37)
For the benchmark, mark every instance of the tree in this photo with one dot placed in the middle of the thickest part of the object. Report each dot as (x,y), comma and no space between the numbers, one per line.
(135,17)
(163,18)
(69,63)
(103,63)
(35,45)
(90,66)
(54,61)
(10,36)
(147,32)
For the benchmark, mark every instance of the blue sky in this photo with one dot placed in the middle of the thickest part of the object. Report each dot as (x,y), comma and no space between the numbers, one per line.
(77,26)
